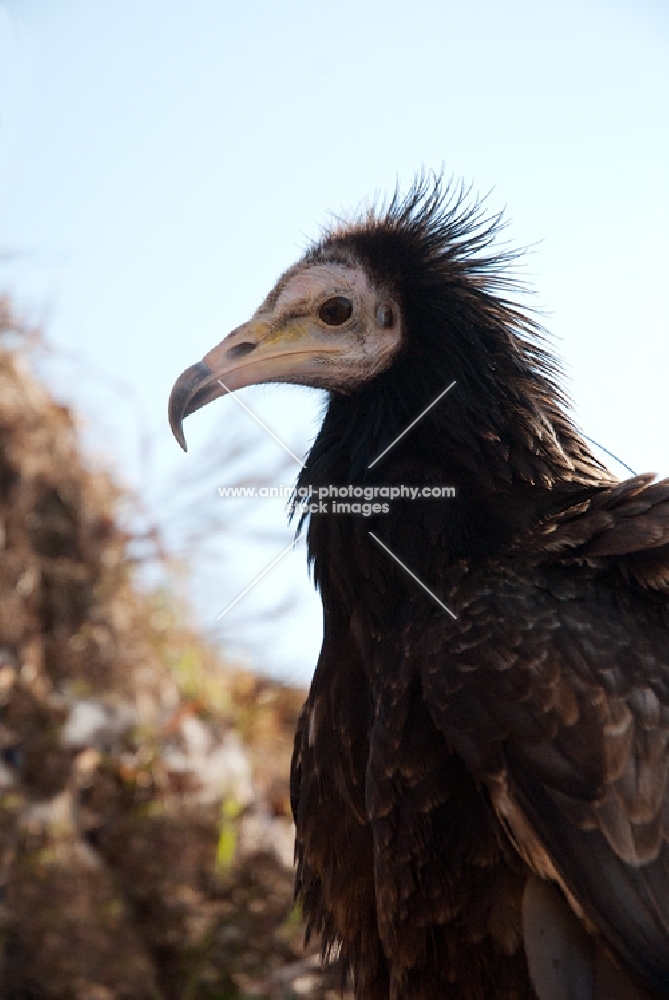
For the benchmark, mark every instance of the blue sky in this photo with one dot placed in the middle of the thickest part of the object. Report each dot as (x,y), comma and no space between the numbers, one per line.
(162,163)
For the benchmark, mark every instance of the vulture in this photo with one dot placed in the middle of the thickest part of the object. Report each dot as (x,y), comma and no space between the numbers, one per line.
(480,772)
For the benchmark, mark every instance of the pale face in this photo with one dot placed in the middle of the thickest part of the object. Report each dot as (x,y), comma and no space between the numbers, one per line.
(324,325)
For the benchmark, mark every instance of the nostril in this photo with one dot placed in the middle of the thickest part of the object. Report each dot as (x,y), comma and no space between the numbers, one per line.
(239,350)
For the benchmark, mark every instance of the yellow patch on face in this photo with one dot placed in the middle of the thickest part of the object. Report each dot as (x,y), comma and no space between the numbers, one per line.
(294,330)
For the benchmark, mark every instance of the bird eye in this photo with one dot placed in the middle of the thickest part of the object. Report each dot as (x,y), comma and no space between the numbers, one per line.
(335,311)
(384,316)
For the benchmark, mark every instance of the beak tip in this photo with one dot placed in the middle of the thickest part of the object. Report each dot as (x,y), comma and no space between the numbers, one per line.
(176,426)
(181,397)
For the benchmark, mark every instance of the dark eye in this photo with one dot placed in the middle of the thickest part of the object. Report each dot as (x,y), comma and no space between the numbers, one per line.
(335,311)
(384,316)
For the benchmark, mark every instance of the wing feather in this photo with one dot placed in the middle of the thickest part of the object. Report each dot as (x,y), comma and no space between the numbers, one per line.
(564,712)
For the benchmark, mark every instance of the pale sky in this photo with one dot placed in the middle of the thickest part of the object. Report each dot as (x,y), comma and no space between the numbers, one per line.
(162,163)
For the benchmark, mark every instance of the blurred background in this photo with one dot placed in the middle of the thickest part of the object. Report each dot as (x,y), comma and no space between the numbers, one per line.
(161,164)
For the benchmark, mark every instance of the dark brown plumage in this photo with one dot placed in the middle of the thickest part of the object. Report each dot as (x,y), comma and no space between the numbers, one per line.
(481,802)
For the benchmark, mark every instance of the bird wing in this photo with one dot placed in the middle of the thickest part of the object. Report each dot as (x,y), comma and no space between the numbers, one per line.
(556,695)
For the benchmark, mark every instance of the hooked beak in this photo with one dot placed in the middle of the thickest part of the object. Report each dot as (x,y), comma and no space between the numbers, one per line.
(189,394)
(253,353)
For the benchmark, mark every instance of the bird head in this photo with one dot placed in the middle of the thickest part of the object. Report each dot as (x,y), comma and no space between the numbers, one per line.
(325,324)
(399,299)
(385,313)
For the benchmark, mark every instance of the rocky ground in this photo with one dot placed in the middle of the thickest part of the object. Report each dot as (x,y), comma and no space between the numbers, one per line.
(145,834)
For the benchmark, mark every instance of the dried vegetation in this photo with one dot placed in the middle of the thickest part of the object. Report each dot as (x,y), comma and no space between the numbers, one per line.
(145,834)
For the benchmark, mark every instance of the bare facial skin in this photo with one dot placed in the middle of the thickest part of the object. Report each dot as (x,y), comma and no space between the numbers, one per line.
(324,325)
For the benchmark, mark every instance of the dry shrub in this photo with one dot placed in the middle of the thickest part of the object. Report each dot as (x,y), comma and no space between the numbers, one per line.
(145,835)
